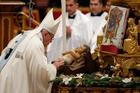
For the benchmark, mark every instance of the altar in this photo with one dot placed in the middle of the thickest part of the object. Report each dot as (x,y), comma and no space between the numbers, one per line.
(118,72)
(91,83)
(96,90)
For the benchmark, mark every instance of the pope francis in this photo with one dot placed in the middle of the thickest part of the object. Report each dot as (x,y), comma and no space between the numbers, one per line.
(23,64)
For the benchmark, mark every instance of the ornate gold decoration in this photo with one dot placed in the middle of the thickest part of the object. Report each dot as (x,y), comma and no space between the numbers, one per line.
(64,90)
(99,42)
(126,63)
(97,90)
(131,43)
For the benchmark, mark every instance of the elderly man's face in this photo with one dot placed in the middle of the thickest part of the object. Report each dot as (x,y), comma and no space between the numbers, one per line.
(95,6)
(47,37)
(71,6)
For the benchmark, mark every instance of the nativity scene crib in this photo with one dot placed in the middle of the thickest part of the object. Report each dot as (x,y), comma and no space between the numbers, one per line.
(116,73)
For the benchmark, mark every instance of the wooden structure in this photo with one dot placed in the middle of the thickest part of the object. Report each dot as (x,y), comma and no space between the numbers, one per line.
(65,89)
(14,18)
(8,29)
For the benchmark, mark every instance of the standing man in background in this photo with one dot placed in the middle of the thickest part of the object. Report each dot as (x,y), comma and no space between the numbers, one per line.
(97,18)
(78,31)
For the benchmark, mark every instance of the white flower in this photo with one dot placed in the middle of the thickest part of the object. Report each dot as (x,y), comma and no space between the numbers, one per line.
(105,76)
(66,80)
(127,80)
(79,75)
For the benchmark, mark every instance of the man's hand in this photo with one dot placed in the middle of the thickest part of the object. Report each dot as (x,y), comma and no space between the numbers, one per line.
(58,62)
(68,31)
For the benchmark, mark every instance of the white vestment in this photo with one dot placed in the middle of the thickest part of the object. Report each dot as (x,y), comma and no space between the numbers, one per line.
(27,70)
(81,34)
(98,23)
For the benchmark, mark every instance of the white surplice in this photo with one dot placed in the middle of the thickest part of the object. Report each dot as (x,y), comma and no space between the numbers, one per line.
(98,23)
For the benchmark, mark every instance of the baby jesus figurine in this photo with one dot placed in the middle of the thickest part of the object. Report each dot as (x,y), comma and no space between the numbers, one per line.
(75,59)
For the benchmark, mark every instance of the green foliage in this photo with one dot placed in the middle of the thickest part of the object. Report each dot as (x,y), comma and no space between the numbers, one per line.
(90,80)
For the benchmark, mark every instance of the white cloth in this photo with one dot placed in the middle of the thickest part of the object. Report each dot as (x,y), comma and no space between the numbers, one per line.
(27,70)
(81,34)
(97,22)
